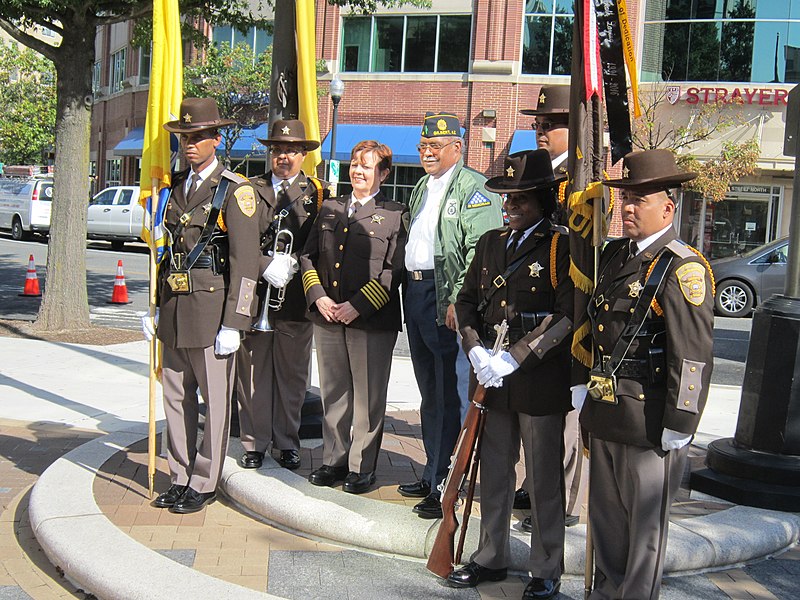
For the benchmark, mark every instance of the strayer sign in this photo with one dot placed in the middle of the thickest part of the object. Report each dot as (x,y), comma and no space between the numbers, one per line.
(763,96)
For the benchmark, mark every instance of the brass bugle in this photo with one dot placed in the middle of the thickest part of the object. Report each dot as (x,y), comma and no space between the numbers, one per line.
(262,323)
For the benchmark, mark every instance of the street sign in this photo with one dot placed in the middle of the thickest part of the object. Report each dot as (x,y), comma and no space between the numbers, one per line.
(333,175)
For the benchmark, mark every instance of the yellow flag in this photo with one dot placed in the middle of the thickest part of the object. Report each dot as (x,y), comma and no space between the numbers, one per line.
(163,104)
(305,34)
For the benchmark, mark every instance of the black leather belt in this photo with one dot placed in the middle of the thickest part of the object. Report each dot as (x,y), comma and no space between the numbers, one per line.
(204,261)
(525,323)
(631,368)
(420,275)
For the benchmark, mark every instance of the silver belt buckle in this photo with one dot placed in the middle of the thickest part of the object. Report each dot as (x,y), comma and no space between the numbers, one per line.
(416,275)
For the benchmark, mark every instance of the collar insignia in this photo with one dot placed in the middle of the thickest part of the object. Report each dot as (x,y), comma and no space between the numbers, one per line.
(187,118)
(306,200)
(535,268)
(285,130)
(377,219)
(635,289)
(510,171)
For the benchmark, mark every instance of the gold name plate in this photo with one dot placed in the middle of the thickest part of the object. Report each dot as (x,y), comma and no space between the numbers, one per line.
(602,388)
(180,282)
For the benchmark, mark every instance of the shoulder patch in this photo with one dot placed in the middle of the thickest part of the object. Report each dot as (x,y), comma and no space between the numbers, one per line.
(692,280)
(246,199)
(478,200)
(228,174)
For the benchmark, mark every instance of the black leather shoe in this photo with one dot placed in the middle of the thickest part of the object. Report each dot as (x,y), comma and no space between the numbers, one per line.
(170,497)
(290,459)
(418,489)
(522,501)
(429,508)
(526,525)
(358,483)
(192,502)
(473,574)
(252,460)
(327,475)
(539,588)
(570,520)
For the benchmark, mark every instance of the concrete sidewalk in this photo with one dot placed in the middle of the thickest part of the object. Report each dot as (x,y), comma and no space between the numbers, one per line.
(273,532)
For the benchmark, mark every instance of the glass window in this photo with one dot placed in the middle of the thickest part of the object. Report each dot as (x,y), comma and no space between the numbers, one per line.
(96,76)
(144,65)
(113,171)
(222,34)
(124,198)
(722,40)
(105,198)
(117,73)
(547,37)
(258,39)
(414,44)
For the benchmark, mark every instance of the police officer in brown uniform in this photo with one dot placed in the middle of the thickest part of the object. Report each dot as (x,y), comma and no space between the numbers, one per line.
(551,123)
(352,266)
(521,274)
(206,290)
(652,324)
(272,366)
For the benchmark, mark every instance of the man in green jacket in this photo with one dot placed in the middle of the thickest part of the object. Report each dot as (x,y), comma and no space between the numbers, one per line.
(450,209)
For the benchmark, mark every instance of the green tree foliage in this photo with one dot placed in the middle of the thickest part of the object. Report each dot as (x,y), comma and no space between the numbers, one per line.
(27,105)
(238,81)
(656,129)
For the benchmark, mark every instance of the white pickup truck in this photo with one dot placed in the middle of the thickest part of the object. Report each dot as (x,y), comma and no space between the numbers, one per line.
(115,215)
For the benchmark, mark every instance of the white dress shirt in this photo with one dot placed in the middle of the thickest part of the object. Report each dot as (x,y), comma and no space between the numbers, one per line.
(422,233)
(200,177)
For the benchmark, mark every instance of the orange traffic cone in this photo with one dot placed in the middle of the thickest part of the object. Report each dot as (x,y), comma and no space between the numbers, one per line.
(120,294)
(31,280)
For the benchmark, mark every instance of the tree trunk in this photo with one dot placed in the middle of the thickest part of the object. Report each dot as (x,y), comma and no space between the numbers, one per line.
(65,303)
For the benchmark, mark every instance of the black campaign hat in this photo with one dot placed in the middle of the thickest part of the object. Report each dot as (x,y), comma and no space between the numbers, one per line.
(289,131)
(197,114)
(649,169)
(553,100)
(529,170)
(441,124)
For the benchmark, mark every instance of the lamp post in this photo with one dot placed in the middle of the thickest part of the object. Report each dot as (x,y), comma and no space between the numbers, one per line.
(336,91)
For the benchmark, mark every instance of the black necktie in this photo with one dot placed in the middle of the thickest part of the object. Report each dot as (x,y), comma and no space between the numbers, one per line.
(633,250)
(283,196)
(193,178)
(512,244)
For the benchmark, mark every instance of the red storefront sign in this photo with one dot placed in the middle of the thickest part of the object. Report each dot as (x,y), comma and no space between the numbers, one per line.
(763,96)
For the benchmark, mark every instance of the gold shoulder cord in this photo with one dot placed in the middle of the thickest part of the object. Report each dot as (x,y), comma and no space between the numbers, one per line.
(656,306)
(318,186)
(553,253)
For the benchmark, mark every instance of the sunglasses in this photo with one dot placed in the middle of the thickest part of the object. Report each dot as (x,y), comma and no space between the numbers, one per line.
(547,125)
(288,151)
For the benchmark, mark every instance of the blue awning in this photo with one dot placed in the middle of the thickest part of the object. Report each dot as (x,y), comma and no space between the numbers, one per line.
(523,139)
(131,144)
(247,143)
(402,139)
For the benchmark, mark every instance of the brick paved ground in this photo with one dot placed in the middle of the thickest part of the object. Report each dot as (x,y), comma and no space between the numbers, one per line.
(223,543)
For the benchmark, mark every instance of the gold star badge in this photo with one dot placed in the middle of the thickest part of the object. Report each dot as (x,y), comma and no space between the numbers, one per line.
(542,98)
(535,268)
(510,171)
(187,118)
(634,289)
(626,172)
(285,130)
(377,219)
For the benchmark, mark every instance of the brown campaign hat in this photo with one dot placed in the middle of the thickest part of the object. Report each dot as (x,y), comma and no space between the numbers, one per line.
(529,170)
(650,169)
(289,131)
(197,114)
(553,100)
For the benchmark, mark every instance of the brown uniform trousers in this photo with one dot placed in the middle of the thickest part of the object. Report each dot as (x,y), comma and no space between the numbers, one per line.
(188,324)
(357,259)
(633,481)
(272,368)
(533,400)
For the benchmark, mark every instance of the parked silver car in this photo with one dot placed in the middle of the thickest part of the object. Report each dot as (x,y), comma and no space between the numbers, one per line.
(744,282)
(115,215)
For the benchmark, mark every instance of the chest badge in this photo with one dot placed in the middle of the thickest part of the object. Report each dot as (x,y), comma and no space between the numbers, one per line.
(635,289)
(535,268)
(377,219)
(207,208)
(306,200)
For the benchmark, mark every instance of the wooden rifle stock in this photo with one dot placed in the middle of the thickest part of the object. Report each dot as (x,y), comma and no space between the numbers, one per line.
(442,557)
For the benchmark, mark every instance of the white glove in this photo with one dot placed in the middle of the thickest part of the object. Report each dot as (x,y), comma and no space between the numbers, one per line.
(674,440)
(499,365)
(478,357)
(279,272)
(227,341)
(149,325)
(578,396)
